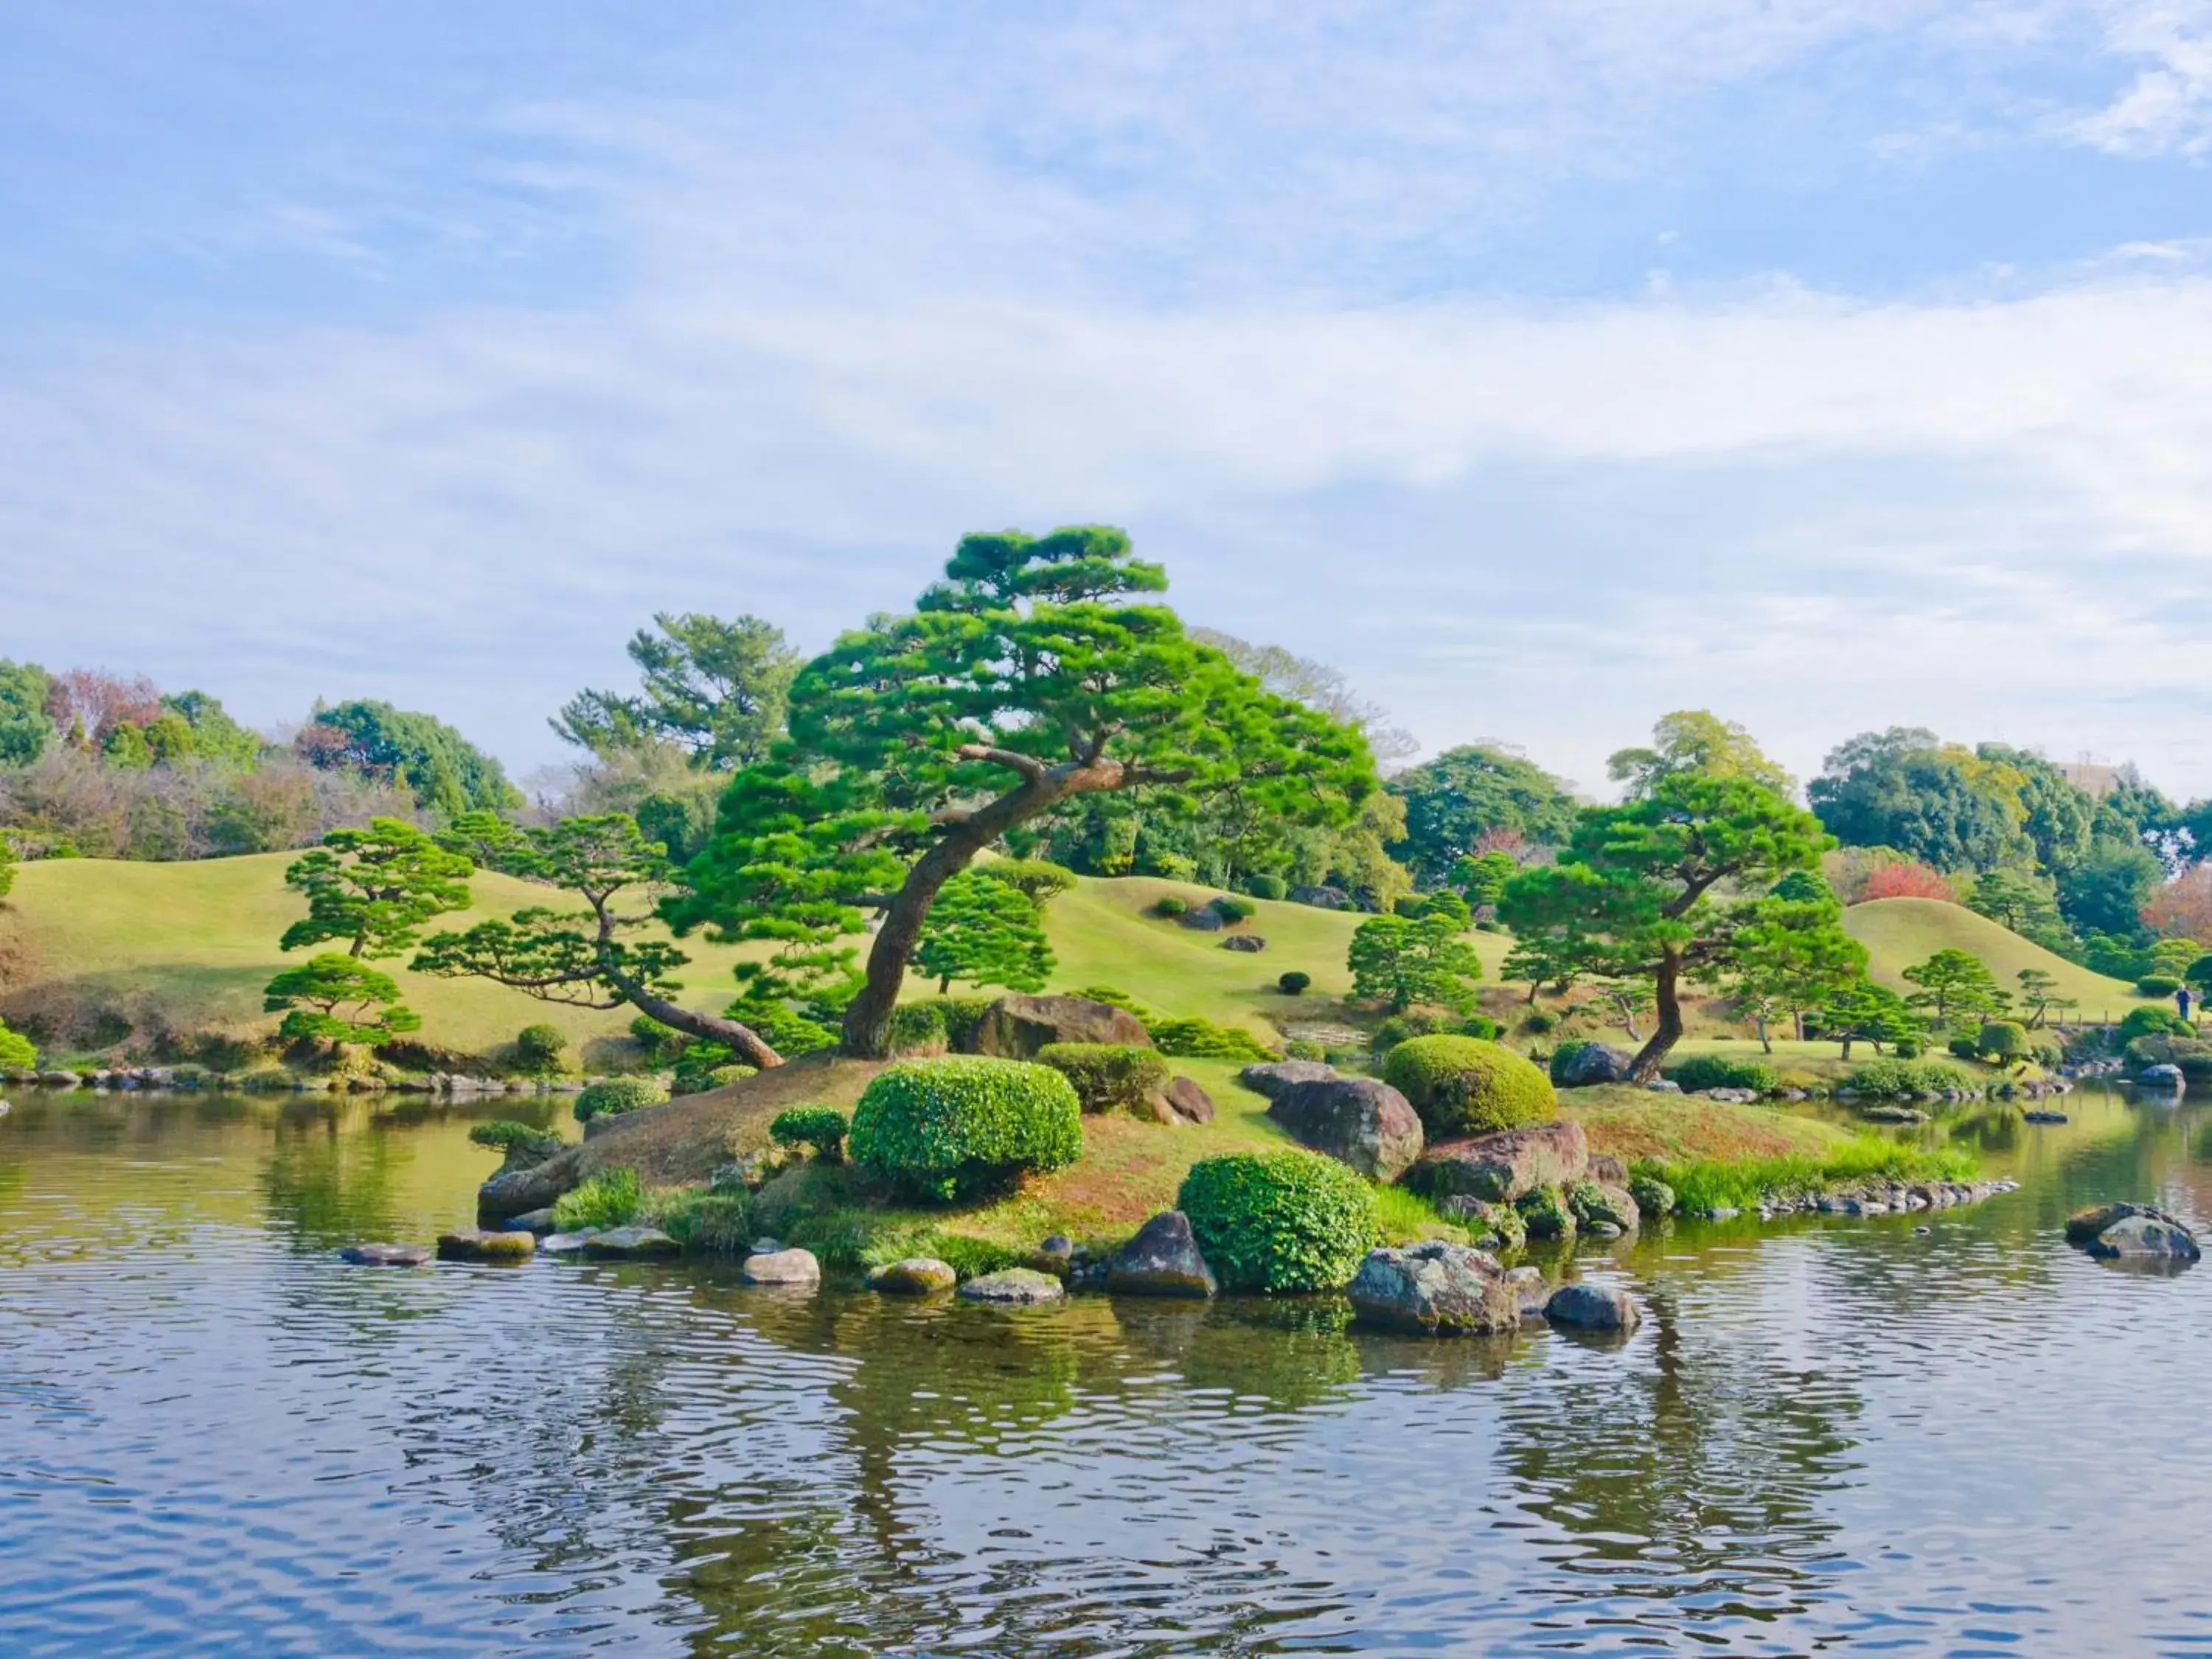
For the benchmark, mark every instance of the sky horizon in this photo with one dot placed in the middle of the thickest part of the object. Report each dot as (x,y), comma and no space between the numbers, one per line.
(1830,366)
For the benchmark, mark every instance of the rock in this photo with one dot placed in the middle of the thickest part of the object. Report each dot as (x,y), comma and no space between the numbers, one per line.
(518,1192)
(1660,1086)
(534,1221)
(477,1244)
(2045,1117)
(1162,1260)
(1188,1102)
(1058,1245)
(1890,1112)
(1587,1066)
(1546,1214)
(1531,1291)
(791,1266)
(2162,1078)
(1727,1097)
(1250,944)
(1434,1289)
(1593,1307)
(1203,919)
(59,1081)
(916,1275)
(1358,1121)
(1596,1204)
(1609,1171)
(1505,1167)
(386,1255)
(1490,1226)
(632,1245)
(567,1243)
(1015,1028)
(2085,1225)
(1270,1078)
(1654,1197)
(2144,1237)
(1015,1287)
(1321,898)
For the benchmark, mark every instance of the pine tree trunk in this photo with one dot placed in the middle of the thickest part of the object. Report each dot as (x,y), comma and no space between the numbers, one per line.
(1645,1066)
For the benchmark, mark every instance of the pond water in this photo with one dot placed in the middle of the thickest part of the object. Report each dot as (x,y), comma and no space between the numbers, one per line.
(1830,1436)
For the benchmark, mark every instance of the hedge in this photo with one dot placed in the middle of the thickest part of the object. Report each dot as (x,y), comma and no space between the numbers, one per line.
(1461,1085)
(1107,1075)
(821,1128)
(1288,1221)
(955,1128)
(1702,1072)
(622,1094)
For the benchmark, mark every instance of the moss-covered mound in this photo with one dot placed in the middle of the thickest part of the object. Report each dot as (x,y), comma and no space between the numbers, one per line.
(1462,1085)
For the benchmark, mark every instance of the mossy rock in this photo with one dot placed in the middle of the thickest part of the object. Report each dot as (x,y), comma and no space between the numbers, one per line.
(1463,1085)
(1546,1214)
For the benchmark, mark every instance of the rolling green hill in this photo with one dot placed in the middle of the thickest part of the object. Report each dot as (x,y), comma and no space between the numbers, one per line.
(1900,932)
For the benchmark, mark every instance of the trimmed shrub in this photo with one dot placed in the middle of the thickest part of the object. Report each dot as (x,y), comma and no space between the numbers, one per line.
(1201,1039)
(1168,905)
(1721,1071)
(1537,1021)
(1481,1025)
(1294,983)
(1266,887)
(948,1129)
(821,1128)
(1902,1079)
(1462,1085)
(2157,985)
(1107,1075)
(538,1048)
(610,1199)
(723,1076)
(503,1136)
(1231,908)
(2151,1021)
(617,1095)
(1654,1197)
(2004,1040)
(1906,1048)
(1289,1220)
(1966,1045)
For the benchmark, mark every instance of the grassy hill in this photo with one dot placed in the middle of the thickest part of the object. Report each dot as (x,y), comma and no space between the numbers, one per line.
(1900,932)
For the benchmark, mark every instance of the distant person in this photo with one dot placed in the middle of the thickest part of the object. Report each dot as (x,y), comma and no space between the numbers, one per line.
(2181,1001)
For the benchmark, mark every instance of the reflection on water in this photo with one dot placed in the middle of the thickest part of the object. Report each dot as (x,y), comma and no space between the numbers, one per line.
(1830,1436)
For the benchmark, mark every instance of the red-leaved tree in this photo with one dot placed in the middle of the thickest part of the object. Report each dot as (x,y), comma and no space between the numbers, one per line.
(1905,881)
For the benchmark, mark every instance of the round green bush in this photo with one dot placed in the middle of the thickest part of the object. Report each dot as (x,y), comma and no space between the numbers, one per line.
(822,1127)
(2157,985)
(1481,1025)
(1965,1045)
(2004,1040)
(1294,983)
(1288,1221)
(953,1128)
(1701,1071)
(539,1048)
(622,1094)
(1168,905)
(1462,1085)
(1108,1075)
(1231,908)
(1266,887)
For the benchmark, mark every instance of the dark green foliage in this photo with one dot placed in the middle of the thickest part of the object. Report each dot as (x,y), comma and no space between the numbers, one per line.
(2148,1021)
(1481,1025)
(1865,1012)
(1293,983)
(1465,794)
(1461,1085)
(1108,1075)
(2198,973)
(538,1048)
(1201,1039)
(986,932)
(1968,1045)
(1265,886)
(2157,985)
(2019,900)
(712,1224)
(1400,961)
(447,773)
(935,1026)
(375,888)
(1563,1057)
(716,688)
(1168,905)
(1284,1221)
(679,820)
(1231,908)
(1701,1071)
(1902,1079)
(25,726)
(1654,1197)
(1545,1213)
(822,1128)
(2105,892)
(7,865)
(1896,789)
(311,996)
(1480,878)
(617,1095)
(610,1199)
(1038,880)
(2003,1043)
(1955,984)
(958,1129)
(502,1135)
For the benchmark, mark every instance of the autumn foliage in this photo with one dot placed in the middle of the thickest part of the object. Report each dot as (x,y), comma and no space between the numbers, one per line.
(1905,881)
(2183,908)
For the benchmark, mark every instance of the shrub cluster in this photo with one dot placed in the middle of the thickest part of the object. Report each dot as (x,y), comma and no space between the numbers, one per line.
(610,1199)
(2147,1021)
(2004,1041)
(1462,1085)
(937,1026)
(711,1223)
(1201,1039)
(1168,905)
(1702,1072)
(821,1128)
(616,1095)
(948,1129)
(1231,908)
(1288,1221)
(1903,1079)
(1564,1055)
(1108,1075)
(2157,985)
(538,1048)
(1266,886)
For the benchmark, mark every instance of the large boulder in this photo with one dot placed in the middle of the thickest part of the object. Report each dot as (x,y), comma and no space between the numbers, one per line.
(1162,1260)
(2142,1237)
(1506,1167)
(1204,920)
(516,1192)
(790,1266)
(632,1245)
(1250,944)
(1434,1289)
(1593,1307)
(1321,898)
(1015,1287)
(1598,1205)
(2085,1225)
(1358,1120)
(1015,1028)
(1587,1066)
(1531,1292)
(2166,1080)
(1188,1100)
(1270,1078)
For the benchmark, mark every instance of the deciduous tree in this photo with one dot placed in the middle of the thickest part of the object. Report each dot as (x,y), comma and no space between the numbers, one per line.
(1464,794)
(1700,741)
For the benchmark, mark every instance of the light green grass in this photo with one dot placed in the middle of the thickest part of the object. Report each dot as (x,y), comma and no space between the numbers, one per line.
(1900,932)
(1701,1184)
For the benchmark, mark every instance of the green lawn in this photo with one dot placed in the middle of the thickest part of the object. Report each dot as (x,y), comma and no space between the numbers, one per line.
(1900,932)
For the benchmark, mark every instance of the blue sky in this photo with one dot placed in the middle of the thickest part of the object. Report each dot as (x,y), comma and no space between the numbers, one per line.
(1545,367)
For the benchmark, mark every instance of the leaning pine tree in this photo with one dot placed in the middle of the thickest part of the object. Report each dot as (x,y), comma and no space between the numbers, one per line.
(1030,677)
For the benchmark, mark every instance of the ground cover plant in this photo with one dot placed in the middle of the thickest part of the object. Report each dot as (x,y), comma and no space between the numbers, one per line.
(1702,1184)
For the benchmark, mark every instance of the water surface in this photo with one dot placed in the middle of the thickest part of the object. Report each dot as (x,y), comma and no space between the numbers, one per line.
(1830,1436)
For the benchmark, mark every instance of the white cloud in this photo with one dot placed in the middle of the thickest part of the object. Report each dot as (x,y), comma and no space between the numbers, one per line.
(2167,107)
